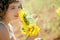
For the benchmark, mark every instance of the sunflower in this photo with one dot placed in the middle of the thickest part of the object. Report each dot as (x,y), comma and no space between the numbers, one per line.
(27,28)
(58,11)
(33,30)
(30,30)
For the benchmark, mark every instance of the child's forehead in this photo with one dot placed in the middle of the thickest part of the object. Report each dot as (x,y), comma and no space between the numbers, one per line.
(18,1)
(14,4)
(14,1)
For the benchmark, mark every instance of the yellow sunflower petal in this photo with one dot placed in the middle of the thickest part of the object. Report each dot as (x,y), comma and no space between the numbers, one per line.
(33,31)
(58,11)
(21,14)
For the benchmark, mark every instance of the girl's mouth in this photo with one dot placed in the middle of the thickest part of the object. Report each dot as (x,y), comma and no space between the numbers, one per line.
(16,16)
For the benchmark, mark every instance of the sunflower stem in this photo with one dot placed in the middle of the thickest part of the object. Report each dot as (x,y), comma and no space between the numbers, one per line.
(26,37)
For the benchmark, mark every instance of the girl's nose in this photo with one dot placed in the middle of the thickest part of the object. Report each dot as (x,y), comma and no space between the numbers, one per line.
(16,11)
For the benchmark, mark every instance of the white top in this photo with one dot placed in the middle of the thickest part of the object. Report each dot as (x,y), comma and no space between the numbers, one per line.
(11,31)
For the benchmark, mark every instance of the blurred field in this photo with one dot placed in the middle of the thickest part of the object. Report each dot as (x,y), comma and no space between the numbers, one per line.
(48,21)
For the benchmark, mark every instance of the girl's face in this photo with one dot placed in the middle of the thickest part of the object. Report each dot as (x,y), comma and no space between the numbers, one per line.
(11,13)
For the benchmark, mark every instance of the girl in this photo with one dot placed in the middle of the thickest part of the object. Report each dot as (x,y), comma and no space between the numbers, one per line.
(8,12)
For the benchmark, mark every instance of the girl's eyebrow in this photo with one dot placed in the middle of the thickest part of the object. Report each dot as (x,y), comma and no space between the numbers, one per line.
(11,5)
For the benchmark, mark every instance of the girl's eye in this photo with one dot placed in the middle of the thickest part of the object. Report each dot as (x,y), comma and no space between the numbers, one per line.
(12,7)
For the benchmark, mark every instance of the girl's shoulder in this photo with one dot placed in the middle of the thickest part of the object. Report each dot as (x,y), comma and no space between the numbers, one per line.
(2,27)
(3,32)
